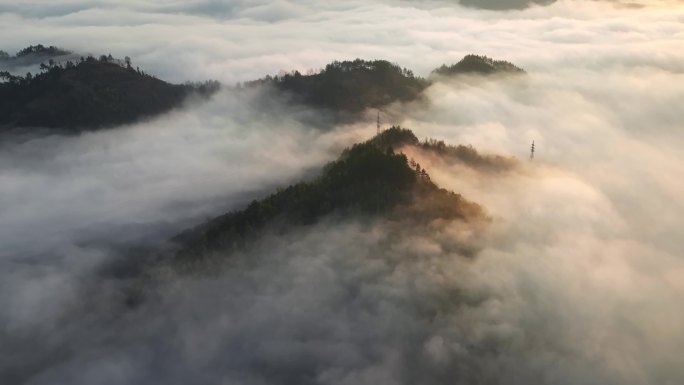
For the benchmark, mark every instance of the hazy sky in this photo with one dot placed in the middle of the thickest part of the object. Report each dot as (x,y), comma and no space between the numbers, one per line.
(241,40)
(577,280)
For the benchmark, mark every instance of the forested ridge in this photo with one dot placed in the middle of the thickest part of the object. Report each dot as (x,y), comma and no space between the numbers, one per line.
(397,137)
(37,51)
(71,93)
(88,94)
(478,64)
(356,85)
(368,179)
(350,85)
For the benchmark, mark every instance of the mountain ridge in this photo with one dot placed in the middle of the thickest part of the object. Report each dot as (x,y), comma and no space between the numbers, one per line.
(353,86)
(87,95)
(367,180)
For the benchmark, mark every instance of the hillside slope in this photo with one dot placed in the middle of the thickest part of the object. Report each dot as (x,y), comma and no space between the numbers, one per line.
(347,88)
(88,95)
(368,179)
(350,86)
(478,65)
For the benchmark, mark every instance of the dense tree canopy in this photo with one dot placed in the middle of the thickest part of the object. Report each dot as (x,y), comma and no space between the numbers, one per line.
(38,51)
(356,85)
(368,179)
(396,137)
(351,86)
(93,93)
(477,64)
(88,94)
(468,155)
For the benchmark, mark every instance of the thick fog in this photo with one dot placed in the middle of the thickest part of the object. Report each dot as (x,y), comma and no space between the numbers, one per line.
(584,251)
(235,41)
(72,204)
(577,279)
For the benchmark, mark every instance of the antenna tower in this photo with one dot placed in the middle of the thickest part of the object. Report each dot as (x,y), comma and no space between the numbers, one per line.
(378,126)
(532,151)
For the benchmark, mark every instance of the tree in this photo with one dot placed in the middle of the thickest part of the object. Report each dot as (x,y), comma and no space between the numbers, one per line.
(127,59)
(6,76)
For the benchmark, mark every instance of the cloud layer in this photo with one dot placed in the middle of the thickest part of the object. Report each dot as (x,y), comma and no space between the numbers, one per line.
(245,40)
(578,279)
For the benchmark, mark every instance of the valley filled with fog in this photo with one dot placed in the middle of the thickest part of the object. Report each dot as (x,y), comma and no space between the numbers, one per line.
(574,274)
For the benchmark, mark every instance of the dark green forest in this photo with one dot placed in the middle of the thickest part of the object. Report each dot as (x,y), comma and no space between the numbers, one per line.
(368,179)
(37,51)
(353,86)
(480,65)
(397,137)
(93,93)
(88,94)
(350,86)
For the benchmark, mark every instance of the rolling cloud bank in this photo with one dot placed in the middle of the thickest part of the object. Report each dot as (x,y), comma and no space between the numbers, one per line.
(576,277)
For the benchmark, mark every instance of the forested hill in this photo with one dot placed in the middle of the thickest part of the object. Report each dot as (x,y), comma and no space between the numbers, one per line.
(397,138)
(87,94)
(353,86)
(350,86)
(368,179)
(33,54)
(71,95)
(478,65)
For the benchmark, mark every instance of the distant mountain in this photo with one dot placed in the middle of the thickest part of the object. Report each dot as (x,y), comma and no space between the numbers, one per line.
(71,94)
(368,179)
(350,87)
(32,55)
(89,94)
(478,65)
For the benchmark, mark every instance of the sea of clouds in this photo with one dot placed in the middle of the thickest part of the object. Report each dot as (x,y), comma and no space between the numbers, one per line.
(577,279)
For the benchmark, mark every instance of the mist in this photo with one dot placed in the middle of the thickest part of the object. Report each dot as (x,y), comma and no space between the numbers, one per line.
(577,278)
(584,251)
(238,40)
(74,204)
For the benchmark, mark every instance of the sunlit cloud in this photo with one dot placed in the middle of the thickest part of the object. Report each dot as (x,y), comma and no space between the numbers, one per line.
(576,279)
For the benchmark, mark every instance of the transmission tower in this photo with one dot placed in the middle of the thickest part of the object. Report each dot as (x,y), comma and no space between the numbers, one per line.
(532,151)
(378,127)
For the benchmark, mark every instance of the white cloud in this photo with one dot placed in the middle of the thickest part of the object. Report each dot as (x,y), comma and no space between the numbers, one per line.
(230,43)
(578,279)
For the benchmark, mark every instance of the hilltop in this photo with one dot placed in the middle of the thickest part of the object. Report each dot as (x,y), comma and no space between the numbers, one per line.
(397,138)
(369,179)
(32,55)
(88,94)
(478,65)
(71,94)
(34,50)
(350,86)
(354,86)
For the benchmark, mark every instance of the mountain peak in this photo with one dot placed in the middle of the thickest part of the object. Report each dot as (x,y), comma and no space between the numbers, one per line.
(87,94)
(478,64)
(368,179)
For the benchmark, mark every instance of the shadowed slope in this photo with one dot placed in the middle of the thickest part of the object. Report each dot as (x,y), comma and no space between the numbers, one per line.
(88,95)
(350,86)
(368,179)
(478,65)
